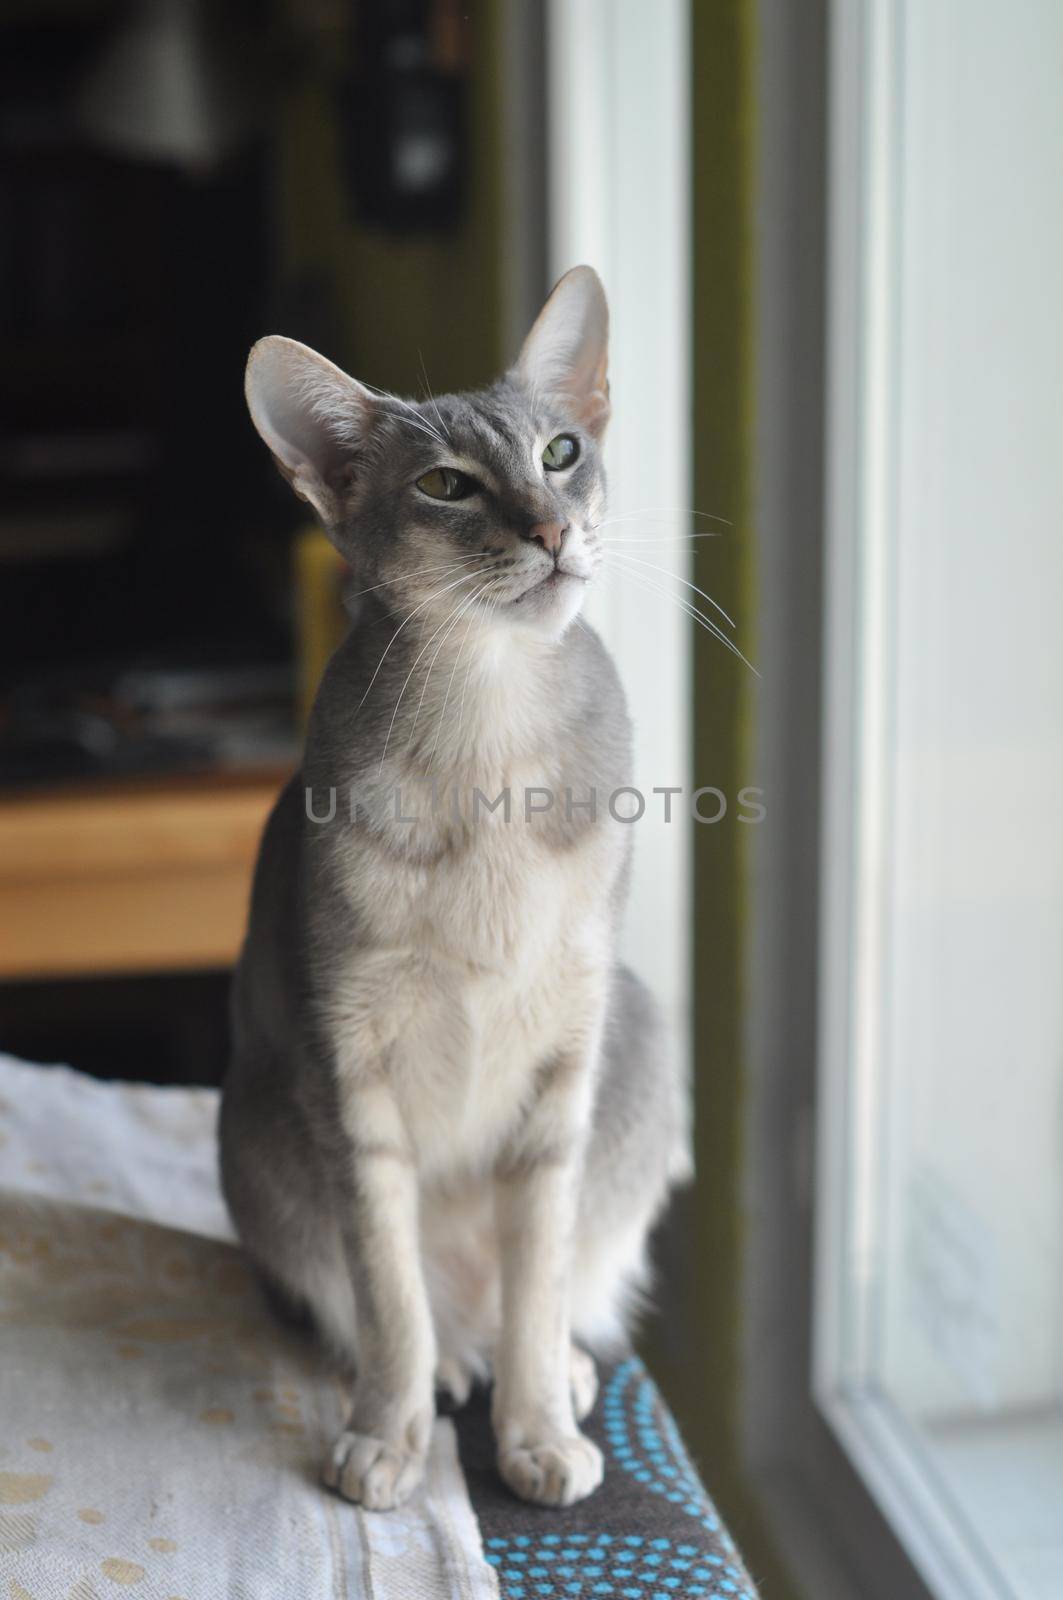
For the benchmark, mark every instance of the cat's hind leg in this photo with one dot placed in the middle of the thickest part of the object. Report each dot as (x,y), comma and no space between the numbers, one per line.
(283,1210)
(638,1148)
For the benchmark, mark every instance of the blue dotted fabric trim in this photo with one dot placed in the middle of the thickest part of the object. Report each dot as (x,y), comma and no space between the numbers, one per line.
(644,1441)
(625,1566)
(649,1533)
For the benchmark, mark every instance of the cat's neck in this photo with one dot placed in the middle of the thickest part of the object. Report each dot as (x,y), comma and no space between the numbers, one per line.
(487,700)
(451,702)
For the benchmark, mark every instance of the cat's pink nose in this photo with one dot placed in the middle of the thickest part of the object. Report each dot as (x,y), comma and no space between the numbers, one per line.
(548,534)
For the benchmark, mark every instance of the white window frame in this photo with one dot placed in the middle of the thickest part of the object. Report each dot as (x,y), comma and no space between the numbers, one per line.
(618,197)
(862,430)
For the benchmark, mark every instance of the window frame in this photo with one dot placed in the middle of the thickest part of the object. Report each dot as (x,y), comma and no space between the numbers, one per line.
(831,1536)
(862,422)
(618,198)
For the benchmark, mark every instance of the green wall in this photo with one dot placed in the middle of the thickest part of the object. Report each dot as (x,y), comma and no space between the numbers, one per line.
(400,298)
(698,1359)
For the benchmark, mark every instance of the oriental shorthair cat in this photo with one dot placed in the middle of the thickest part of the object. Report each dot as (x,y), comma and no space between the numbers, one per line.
(451,1116)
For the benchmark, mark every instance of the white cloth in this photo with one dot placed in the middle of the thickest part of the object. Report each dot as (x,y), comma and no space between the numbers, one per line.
(160,1435)
(129,1147)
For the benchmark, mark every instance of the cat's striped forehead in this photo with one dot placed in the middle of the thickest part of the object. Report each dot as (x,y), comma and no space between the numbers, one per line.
(501,423)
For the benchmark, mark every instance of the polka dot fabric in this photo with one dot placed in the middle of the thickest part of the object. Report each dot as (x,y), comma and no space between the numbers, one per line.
(645,1442)
(650,1533)
(629,1567)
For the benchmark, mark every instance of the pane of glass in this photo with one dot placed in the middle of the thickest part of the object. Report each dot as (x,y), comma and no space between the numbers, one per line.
(966,1307)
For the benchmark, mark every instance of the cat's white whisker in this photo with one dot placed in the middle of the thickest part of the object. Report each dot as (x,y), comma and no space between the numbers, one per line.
(415,417)
(419,572)
(663,513)
(432,398)
(408,618)
(653,538)
(425,427)
(456,610)
(622,555)
(492,606)
(450,683)
(690,609)
(452,617)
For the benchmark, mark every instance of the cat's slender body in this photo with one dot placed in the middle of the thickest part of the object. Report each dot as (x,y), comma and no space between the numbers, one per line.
(450,1118)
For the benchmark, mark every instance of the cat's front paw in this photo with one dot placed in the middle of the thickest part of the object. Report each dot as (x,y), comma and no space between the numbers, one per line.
(552,1471)
(378,1474)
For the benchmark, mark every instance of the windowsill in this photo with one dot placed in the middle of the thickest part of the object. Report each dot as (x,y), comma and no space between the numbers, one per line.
(1007,1474)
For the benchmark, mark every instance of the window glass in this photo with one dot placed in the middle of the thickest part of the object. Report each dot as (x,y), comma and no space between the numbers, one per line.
(956,1297)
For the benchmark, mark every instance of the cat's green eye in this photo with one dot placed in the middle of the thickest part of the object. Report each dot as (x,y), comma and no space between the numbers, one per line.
(560,452)
(445,483)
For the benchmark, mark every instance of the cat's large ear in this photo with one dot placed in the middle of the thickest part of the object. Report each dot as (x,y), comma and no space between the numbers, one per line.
(312,416)
(565,356)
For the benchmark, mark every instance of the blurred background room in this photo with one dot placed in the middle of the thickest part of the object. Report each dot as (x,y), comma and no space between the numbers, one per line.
(831,232)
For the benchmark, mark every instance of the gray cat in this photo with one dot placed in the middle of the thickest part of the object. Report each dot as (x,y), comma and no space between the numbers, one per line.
(450,1118)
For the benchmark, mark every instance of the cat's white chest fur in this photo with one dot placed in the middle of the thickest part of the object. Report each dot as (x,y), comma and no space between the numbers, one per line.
(481,963)
(481,949)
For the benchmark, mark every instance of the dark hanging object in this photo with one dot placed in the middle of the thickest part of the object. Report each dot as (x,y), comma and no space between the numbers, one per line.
(403,114)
